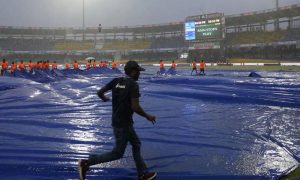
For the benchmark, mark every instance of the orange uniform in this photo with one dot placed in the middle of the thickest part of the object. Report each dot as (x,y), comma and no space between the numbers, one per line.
(43,65)
(173,65)
(88,65)
(75,65)
(202,65)
(4,65)
(37,65)
(67,66)
(113,65)
(161,65)
(54,66)
(13,67)
(94,64)
(21,66)
(40,65)
(46,65)
(30,65)
(194,65)
(101,64)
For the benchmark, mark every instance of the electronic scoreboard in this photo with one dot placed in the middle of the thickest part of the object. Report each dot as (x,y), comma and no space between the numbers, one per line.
(203,28)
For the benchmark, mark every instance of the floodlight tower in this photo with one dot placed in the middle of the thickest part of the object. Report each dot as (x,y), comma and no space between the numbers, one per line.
(83,25)
(277,20)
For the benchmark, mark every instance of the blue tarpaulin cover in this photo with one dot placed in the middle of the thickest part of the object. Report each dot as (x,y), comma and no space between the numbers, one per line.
(225,125)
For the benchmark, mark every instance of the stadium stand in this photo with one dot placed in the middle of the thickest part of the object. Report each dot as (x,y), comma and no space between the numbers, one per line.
(17,44)
(256,37)
(127,44)
(168,42)
(247,35)
(151,56)
(32,31)
(73,45)
(292,34)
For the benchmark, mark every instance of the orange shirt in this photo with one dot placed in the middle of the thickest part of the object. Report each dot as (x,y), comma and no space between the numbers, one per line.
(66,66)
(202,65)
(161,65)
(43,66)
(21,66)
(94,64)
(174,65)
(4,65)
(46,65)
(88,65)
(113,65)
(75,65)
(54,66)
(30,65)
(194,65)
(13,67)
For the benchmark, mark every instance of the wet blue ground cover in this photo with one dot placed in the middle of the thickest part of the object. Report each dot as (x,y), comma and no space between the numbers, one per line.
(225,125)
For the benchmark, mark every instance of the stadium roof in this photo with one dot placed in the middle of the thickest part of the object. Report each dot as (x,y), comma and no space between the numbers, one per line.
(154,28)
(263,16)
(231,20)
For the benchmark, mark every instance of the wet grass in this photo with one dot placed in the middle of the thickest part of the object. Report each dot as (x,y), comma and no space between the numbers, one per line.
(242,60)
(262,68)
(259,68)
(295,174)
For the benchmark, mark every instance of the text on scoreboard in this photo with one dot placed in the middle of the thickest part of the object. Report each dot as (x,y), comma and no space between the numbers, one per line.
(203,29)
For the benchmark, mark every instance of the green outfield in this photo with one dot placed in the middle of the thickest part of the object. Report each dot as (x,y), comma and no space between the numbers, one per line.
(274,67)
(264,68)
(244,60)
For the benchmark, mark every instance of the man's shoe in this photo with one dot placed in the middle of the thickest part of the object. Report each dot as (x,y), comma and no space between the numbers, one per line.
(147,176)
(83,167)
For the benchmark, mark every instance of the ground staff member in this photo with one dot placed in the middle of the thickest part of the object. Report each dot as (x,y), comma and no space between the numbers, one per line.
(202,66)
(194,66)
(125,101)
(4,66)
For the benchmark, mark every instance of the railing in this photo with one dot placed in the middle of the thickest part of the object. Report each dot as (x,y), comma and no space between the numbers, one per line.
(262,11)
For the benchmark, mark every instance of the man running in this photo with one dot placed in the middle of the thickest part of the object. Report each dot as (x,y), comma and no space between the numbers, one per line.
(125,101)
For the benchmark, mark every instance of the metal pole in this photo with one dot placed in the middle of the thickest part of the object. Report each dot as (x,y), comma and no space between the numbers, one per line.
(83,25)
(277,20)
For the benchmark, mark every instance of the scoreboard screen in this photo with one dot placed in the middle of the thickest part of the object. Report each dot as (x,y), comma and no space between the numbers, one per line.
(203,27)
